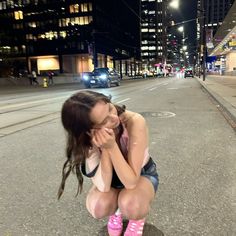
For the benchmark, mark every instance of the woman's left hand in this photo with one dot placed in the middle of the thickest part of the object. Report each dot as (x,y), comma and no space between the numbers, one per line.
(104,138)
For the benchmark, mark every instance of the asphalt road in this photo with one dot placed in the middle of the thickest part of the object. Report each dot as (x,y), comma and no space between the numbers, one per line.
(192,143)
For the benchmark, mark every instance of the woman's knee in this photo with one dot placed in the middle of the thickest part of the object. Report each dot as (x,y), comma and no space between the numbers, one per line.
(132,207)
(100,206)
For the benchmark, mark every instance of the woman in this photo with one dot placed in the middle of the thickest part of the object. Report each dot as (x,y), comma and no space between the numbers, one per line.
(110,145)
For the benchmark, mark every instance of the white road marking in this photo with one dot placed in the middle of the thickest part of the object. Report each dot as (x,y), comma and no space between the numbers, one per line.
(124,100)
(152,88)
(155,87)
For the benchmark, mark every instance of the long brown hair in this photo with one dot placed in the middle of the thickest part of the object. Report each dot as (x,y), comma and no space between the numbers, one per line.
(76,121)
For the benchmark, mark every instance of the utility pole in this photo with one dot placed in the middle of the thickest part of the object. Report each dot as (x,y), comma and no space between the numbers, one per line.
(204,46)
(203,39)
(164,35)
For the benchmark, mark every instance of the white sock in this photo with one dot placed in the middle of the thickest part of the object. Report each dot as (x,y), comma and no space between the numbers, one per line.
(117,212)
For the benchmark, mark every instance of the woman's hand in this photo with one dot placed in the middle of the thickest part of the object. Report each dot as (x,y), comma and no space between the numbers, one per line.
(103,138)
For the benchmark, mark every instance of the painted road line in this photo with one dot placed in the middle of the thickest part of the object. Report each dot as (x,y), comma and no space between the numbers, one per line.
(155,87)
(124,100)
(152,88)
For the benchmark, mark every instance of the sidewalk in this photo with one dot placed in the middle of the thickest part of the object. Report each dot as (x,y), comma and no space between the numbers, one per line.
(223,90)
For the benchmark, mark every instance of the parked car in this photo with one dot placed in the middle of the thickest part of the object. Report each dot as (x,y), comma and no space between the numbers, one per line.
(188,73)
(102,77)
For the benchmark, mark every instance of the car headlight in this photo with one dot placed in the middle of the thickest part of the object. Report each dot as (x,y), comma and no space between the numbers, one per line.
(85,77)
(103,76)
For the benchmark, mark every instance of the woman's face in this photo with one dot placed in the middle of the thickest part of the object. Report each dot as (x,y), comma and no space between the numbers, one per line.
(104,115)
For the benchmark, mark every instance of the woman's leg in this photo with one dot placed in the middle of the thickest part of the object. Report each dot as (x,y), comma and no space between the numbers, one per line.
(101,204)
(135,203)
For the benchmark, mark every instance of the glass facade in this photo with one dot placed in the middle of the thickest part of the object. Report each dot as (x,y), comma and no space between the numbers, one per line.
(58,28)
(151,32)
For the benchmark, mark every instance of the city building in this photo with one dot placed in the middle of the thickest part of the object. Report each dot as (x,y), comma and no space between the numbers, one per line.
(70,36)
(151,33)
(224,49)
(210,17)
(215,12)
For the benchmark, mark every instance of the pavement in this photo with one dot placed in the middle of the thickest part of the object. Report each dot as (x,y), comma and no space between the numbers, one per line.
(223,90)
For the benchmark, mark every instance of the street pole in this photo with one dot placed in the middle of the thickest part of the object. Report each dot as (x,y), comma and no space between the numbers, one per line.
(204,47)
(164,35)
(203,39)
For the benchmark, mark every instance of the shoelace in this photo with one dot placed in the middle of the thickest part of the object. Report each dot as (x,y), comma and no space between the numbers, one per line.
(135,227)
(115,221)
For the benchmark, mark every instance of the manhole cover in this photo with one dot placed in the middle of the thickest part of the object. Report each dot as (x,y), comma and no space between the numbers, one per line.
(160,114)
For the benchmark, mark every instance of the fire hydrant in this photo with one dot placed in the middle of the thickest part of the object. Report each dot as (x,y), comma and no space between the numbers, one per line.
(45,83)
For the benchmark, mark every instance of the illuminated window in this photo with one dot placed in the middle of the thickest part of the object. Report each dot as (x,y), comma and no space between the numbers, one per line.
(18,15)
(74,8)
(144,48)
(152,48)
(63,34)
(83,20)
(151,12)
(84,7)
(51,34)
(32,24)
(144,30)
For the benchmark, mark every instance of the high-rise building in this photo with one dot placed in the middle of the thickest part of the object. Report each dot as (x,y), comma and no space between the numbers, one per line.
(70,36)
(151,32)
(214,12)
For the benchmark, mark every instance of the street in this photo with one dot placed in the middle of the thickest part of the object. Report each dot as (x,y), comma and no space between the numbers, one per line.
(192,143)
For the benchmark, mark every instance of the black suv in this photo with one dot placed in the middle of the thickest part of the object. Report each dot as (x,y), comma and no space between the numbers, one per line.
(102,77)
(188,73)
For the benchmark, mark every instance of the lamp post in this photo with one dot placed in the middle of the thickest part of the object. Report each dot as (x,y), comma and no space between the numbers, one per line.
(184,48)
(173,4)
(203,39)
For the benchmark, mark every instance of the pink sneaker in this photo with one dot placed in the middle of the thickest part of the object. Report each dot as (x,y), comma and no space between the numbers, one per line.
(115,225)
(135,228)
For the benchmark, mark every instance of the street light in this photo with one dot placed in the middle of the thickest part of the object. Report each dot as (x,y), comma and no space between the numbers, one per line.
(174,4)
(181,29)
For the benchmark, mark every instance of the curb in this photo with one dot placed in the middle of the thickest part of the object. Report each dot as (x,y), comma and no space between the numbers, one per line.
(226,106)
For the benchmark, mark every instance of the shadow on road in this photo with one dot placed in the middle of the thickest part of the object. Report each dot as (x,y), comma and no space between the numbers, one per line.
(149,230)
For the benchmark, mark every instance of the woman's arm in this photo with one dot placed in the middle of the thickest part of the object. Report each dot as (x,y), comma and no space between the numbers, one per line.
(98,167)
(129,173)
(102,178)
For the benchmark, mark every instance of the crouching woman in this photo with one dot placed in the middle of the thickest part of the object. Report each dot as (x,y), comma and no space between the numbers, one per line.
(109,144)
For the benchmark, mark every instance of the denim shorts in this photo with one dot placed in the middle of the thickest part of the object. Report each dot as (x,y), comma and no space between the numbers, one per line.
(149,171)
